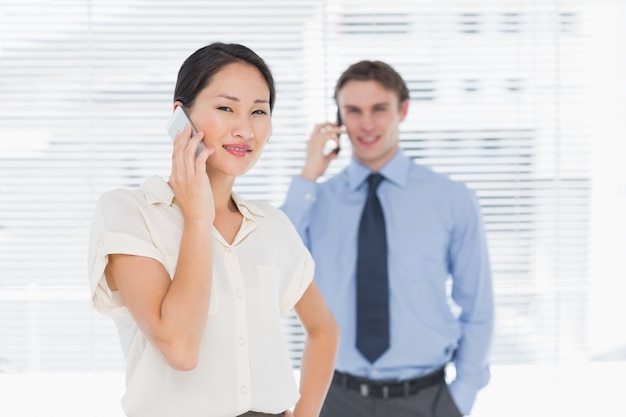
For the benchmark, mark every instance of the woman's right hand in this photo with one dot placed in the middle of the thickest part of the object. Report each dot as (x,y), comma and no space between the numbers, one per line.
(189,179)
(172,311)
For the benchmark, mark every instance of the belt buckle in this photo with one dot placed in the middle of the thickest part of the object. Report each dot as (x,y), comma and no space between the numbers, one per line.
(364,390)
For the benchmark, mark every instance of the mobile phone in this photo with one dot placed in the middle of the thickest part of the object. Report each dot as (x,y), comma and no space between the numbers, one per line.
(332,146)
(338,148)
(177,123)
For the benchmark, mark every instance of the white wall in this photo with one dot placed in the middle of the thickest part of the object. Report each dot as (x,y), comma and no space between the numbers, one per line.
(607,116)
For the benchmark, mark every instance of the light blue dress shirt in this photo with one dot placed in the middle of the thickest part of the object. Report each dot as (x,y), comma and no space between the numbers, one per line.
(434,234)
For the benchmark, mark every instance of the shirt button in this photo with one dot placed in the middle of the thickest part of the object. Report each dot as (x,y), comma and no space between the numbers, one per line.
(244,390)
(309,197)
(238,293)
(228,249)
(241,341)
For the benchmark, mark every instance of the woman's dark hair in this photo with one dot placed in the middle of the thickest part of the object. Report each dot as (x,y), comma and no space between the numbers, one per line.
(200,67)
(378,71)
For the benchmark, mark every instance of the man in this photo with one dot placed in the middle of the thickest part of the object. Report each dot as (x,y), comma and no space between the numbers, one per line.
(393,364)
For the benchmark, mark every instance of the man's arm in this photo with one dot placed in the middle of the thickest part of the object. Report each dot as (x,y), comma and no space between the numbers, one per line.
(472,291)
(301,195)
(299,203)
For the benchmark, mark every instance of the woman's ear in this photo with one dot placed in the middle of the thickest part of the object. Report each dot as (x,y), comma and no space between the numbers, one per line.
(177,103)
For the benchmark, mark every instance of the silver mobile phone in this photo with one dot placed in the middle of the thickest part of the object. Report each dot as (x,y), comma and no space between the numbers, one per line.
(177,123)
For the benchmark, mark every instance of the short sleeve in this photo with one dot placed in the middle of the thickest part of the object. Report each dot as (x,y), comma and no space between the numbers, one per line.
(296,262)
(299,282)
(117,228)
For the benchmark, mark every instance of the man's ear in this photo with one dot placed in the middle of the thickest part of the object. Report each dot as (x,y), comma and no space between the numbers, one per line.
(404,109)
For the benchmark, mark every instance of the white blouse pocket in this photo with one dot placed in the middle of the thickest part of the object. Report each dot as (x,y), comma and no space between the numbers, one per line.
(269,280)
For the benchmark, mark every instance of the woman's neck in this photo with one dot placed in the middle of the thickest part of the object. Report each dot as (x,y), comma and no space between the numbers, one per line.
(227,216)
(222,194)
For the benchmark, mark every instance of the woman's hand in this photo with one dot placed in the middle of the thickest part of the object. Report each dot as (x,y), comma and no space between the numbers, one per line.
(189,179)
(172,313)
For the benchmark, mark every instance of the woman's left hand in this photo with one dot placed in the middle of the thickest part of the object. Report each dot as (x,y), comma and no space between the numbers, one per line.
(288,413)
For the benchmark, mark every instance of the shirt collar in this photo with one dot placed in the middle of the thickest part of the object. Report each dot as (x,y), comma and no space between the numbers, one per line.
(158,191)
(247,208)
(395,170)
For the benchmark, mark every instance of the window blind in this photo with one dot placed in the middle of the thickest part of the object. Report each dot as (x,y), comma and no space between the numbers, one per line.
(86,89)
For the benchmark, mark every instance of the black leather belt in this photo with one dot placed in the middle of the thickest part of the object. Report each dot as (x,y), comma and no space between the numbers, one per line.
(387,389)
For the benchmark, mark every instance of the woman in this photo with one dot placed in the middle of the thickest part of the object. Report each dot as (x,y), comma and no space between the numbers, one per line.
(196,278)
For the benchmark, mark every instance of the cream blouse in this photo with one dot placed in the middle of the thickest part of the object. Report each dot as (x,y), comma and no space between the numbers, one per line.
(244,363)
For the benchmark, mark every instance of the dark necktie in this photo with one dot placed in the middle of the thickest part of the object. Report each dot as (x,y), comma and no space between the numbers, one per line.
(372,288)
